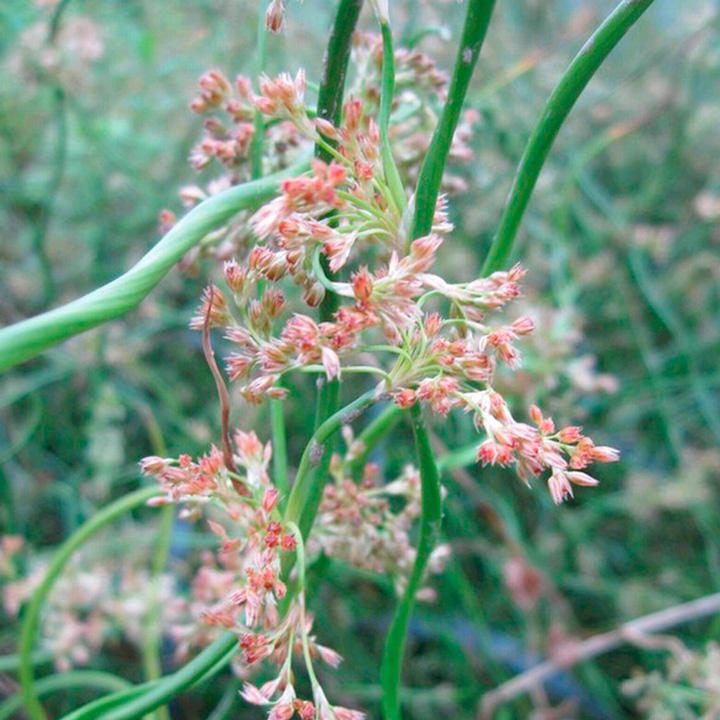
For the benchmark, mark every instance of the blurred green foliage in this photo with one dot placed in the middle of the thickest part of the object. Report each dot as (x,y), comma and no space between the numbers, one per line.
(621,238)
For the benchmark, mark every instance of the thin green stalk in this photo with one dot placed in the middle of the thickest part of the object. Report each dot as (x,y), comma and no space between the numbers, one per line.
(477,20)
(46,210)
(96,708)
(279,446)
(55,20)
(31,617)
(164,690)
(151,660)
(67,680)
(136,701)
(329,107)
(335,64)
(152,665)
(328,401)
(387,90)
(299,510)
(394,650)
(557,108)
(28,338)
(373,433)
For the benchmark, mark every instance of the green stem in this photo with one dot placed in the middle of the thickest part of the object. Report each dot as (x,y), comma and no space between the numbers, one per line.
(298,508)
(326,408)
(279,446)
(73,679)
(212,657)
(391,666)
(335,64)
(152,665)
(557,108)
(55,20)
(387,90)
(329,107)
(373,433)
(136,701)
(477,20)
(40,233)
(31,617)
(96,708)
(28,338)
(151,660)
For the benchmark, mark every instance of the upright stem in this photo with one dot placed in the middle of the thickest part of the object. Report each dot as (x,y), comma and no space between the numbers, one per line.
(387,90)
(373,433)
(299,510)
(563,97)
(329,107)
(391,667)
(152,663)
(477,20)
(335,64)
(256,144)
(279,446)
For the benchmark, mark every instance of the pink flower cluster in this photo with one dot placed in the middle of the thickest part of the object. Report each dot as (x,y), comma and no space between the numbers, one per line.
(249,554)
(445,357)
(239,588)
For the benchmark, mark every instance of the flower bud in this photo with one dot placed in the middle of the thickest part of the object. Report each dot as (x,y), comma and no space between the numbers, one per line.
(270,499)
(275,16)
(362,284)
(313,294)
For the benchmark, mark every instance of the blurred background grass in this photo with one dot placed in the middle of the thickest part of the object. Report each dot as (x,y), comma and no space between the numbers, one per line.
(623,250)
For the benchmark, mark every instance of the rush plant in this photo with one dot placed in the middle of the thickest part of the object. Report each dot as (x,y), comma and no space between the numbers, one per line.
(331,252)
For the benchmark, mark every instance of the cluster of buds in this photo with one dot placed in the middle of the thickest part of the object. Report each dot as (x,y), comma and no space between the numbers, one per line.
(229,131)
(533,450)
(289,129)
(228,140)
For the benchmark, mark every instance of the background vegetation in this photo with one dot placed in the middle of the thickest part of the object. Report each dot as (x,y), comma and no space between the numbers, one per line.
(623,250)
